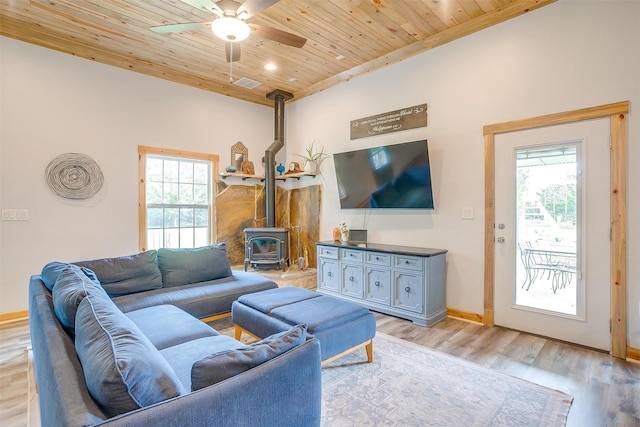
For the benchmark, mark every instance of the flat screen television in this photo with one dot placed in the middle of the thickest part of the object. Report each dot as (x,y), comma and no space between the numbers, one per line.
(391,176)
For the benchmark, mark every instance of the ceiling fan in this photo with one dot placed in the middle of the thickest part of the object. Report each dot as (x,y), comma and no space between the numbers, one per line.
(231,26)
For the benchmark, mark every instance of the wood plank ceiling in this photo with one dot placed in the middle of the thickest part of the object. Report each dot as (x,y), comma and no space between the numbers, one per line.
(346,38)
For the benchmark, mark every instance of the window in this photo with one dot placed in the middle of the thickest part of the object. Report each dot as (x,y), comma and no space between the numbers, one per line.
(176,198)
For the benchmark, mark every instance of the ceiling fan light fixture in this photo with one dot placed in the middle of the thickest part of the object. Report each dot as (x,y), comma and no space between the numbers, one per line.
(230,29)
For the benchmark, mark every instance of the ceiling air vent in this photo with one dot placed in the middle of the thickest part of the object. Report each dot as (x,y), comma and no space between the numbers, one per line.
(247,83)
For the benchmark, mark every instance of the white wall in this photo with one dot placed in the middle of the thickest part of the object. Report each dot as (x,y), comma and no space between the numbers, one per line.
(565,56)
(53,103)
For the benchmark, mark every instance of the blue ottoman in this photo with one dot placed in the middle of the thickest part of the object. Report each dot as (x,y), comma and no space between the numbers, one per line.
(341,326)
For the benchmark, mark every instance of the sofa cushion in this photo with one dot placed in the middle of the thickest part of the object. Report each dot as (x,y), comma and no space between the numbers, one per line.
(202,299)
(70,288)
(220,366)
(167,326)
(126,274)
(122,369)
(266,301)
(193,265)
(320,314)
(52,270)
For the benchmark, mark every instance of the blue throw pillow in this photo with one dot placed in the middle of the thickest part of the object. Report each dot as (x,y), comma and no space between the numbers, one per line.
(70,288)
(220,366)
(126,274)
(122,369)
(193,265)
(52,270)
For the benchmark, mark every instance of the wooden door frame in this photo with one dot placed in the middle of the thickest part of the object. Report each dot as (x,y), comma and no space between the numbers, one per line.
(618,126)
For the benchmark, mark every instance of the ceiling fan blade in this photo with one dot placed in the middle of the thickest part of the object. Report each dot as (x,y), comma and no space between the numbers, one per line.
(278,35)
(208,5)
(232,50)
(177,28)
(253,7)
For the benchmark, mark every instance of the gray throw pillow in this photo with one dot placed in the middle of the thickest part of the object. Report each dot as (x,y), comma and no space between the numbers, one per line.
(193,265)
(52,270)
(122,369)
(220,366)
(126,274)
(70,288)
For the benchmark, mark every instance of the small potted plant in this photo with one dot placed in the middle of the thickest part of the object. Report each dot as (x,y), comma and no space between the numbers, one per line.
(344,232)
(312,159)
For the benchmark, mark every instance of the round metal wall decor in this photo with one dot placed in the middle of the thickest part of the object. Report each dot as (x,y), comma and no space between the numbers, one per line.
(74,176)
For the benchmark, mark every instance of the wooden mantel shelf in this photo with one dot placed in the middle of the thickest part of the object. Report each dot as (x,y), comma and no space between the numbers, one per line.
(244,177)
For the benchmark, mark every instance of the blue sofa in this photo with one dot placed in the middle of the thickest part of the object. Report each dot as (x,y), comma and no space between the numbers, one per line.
(117,342)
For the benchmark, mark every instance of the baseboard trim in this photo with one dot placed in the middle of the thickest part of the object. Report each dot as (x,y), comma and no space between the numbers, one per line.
(14,316)
(633,354)
(465,315)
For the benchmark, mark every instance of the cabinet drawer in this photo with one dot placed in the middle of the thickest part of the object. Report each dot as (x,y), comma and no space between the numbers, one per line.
(378,258)
(327,252)
(408,262)
(350,255)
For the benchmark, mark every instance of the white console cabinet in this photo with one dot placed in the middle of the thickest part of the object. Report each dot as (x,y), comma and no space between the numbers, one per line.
(403,281)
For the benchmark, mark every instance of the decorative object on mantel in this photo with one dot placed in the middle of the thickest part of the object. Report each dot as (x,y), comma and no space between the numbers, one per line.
(247,167)
(294,167)
(230,169)
(337,234)
(280,168)
(74,176)
(239,153)
(313,159)
(344,232)
(393,121)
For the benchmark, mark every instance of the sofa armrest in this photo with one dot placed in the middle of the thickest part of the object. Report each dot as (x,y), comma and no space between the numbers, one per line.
(62,391)
(286,390)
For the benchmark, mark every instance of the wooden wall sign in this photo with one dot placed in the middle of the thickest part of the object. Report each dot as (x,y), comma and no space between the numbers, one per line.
(393,121)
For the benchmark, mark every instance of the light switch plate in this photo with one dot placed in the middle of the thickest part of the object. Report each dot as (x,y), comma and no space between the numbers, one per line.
(15,215)
(467,213)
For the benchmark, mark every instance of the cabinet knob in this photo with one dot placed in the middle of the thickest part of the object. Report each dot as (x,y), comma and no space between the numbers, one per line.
(377,258)
(351,278)
(329,274)
(377,283)
(407,289)
(407,262)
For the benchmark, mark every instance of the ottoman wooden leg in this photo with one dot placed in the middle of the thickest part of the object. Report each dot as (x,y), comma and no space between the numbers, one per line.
(237,332)
(369,349)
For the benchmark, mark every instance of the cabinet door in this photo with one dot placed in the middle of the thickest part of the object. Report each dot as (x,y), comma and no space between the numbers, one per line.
(328,275)
(378,285)
(352,280)
(408,291)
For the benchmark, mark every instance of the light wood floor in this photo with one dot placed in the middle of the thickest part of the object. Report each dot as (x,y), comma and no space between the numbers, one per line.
(606,390)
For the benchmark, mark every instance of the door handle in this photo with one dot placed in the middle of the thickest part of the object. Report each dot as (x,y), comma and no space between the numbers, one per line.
(500,239)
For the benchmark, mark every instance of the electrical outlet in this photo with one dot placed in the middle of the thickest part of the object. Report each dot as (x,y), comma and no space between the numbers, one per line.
(15,215)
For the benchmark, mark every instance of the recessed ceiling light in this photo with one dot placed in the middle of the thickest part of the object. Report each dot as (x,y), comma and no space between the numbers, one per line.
(292,79)
(340,57)
(270,67)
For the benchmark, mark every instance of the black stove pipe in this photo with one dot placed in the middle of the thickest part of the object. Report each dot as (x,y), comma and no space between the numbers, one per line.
(279,97)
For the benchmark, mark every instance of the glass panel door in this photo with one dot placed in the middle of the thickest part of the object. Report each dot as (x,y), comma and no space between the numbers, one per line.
(548,204)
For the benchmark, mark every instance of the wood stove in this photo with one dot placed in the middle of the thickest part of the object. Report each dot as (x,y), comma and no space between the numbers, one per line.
(266,248)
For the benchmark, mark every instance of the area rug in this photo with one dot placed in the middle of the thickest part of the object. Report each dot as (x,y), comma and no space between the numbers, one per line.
(410,385)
